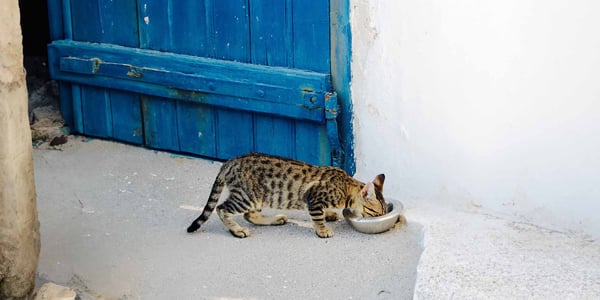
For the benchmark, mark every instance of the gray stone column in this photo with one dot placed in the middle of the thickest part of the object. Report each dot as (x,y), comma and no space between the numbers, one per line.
(19,227)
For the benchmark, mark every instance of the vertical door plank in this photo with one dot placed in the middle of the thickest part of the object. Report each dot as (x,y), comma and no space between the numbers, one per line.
(311,36)
(231,41)
(105,21)
(160,123)
(234,133)
(67,104)
(289,33)
(189,29)
(268,30)
(196,127)
(311,143)
(77,108)
(126,117)
(309,32)
(231,30)
(159,114)
(274,135)
(113,22)
(270,47)
(96,111)
(153,20)
(177,26)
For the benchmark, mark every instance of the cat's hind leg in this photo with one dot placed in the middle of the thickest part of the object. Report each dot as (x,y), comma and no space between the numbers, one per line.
(232,225)
(257,218)
(227,210)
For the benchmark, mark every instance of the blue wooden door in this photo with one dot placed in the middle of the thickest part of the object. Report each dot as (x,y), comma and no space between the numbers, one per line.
(211,78)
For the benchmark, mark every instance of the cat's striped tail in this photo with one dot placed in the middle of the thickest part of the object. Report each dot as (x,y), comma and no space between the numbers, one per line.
(215,193)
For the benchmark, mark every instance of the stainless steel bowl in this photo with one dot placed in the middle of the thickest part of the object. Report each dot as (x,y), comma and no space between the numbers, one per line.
(375,224)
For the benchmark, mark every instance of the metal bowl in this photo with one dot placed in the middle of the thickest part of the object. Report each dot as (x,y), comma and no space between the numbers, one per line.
(375,224)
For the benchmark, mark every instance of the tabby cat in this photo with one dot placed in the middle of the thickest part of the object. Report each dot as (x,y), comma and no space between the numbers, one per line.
(257,181)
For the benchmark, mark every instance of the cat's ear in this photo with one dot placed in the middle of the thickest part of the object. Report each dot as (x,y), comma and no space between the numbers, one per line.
(368,190)
(379,179)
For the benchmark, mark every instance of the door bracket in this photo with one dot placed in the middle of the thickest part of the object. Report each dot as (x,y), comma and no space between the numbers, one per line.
(331,113)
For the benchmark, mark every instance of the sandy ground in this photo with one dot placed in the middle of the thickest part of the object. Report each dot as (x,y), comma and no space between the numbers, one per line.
(113,221)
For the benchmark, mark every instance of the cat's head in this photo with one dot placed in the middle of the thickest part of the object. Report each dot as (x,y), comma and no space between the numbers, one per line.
(373,204)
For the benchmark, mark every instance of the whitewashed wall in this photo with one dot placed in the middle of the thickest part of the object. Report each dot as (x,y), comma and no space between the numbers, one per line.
(482,104)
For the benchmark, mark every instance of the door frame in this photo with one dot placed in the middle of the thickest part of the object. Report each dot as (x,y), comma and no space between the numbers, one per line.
(341,54)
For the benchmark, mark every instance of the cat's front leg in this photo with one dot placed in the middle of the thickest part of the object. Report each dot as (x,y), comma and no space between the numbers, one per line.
(317,215)
(317,201)
(324,232)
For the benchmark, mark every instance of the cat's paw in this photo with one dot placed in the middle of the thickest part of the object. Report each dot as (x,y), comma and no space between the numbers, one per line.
(350,213)
(279,220)
(324,232)
(241,233)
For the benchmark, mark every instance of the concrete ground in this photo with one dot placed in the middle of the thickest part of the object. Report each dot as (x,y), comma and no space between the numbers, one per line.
(472,255)
(113,221)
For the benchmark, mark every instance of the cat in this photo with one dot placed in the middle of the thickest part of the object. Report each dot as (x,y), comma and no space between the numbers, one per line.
(257,181)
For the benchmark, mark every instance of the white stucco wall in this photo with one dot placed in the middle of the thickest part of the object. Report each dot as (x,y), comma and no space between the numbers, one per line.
(482,104)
